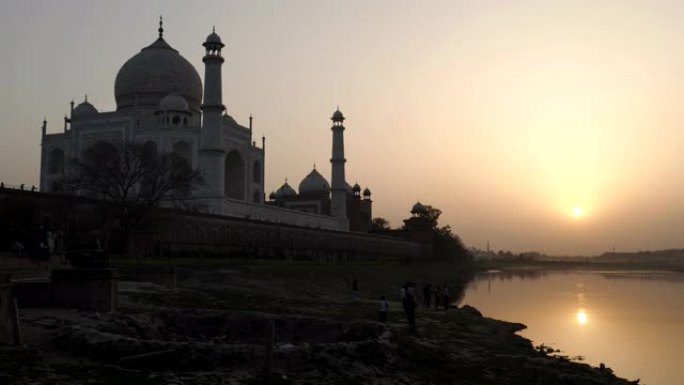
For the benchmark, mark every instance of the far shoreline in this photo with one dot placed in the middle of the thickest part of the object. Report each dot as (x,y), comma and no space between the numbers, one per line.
(559,264)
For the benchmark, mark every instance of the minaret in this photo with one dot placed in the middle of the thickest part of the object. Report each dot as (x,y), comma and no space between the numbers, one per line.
(211,151)
(338,204)
(43,168)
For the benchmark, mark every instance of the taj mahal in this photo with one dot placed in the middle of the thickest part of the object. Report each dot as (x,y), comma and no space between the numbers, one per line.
(162,104)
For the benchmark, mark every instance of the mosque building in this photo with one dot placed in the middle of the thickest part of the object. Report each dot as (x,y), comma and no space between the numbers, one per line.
(315,191)
(162,104)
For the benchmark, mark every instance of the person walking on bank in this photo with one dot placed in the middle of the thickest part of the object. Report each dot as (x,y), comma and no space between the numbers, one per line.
(445,297)
(355,289)
(417,288)
(427,293)
(402,293)
(383,309)
(438,296)
(409,304)
(411,290)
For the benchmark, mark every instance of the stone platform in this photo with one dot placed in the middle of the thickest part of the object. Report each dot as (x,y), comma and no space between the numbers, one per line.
(83,289)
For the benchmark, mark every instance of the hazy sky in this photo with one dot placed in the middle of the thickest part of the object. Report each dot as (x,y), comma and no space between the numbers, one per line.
(504,114)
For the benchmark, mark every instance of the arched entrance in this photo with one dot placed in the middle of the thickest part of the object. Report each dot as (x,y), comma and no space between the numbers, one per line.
(235,176)
(183,149)
(56,165)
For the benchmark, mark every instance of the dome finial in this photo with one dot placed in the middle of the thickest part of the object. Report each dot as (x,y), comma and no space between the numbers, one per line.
(213,28)
(86,98)
(337,116)
(161,26)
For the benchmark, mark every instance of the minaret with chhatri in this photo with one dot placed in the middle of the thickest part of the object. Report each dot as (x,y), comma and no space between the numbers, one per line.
(338,204)
(211,151)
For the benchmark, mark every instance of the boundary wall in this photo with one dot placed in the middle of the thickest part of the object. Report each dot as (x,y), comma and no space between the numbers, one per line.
(183,233)
(220,236)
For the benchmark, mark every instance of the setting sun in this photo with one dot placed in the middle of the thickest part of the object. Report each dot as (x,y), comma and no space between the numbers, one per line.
(577,212)
(582,317)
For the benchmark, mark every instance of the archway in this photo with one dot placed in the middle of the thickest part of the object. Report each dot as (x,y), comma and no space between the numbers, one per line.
(56,165)
(256,172)
(183,149)
(101,152)
(149,152)
(235,176)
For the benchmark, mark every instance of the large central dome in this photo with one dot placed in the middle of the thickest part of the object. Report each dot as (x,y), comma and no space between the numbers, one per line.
(156,71)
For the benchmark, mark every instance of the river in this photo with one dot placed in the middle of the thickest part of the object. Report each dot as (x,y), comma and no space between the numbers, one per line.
(633,322)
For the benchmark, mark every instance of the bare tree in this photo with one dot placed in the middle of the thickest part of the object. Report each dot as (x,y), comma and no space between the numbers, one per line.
(131,179)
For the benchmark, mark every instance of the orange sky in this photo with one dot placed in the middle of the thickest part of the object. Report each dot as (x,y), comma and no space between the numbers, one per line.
(504,114)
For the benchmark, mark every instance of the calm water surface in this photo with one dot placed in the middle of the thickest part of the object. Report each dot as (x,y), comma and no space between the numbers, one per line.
(631,321)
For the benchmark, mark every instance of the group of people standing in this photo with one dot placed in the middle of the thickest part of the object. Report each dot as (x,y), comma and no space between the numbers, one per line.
(39,244)
(411,301)
(440,294)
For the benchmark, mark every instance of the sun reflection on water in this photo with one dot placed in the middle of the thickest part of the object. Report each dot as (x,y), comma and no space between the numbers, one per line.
(581,317)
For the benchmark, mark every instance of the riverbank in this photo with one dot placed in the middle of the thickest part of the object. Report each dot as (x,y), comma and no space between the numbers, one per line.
(212,328)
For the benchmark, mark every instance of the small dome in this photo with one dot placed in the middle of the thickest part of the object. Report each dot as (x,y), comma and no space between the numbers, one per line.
(366,192)
(272,195)
(357,187)
(349,188)
(314,183)
(419,208)
(337,116)
(285,191)
(84,108)
(174,102)
(213,38)
(225,118)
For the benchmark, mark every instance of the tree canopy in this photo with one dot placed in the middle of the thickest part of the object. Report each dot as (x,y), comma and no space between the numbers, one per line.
(447,245)
(379,224)
(131,179)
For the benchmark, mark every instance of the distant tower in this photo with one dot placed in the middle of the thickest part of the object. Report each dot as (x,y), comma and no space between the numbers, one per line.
(211,152)
(338,202)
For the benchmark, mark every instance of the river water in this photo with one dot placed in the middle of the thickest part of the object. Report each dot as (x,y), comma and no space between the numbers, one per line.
(633,322)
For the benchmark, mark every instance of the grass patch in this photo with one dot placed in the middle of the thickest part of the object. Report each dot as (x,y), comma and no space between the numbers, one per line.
(322,290)
(105,374)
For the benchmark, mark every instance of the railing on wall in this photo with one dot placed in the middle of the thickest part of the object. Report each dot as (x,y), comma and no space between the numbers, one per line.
(22,187)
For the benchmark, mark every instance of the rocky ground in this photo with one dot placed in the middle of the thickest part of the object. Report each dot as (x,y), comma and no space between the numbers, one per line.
(213,329)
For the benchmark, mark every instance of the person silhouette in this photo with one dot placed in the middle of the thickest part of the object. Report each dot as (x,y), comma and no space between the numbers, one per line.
(445,297)
(410,304)
(427,293)
(383,309)
(355,288)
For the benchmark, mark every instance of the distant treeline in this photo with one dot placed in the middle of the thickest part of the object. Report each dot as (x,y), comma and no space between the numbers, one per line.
(669,255)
